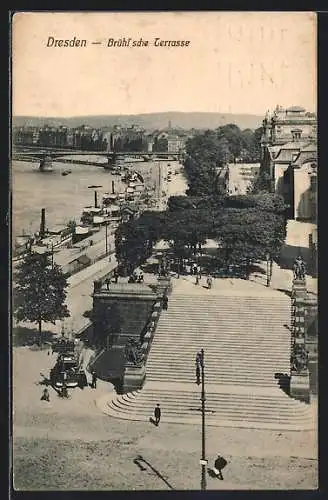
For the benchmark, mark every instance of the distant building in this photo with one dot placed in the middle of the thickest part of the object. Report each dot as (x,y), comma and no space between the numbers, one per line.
(289,156)
(175,144)
(290,124)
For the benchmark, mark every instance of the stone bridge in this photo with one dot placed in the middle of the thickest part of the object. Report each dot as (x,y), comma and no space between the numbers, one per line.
(51,153)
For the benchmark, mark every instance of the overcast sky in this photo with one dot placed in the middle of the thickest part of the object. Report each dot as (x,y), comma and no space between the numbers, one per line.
(236,62)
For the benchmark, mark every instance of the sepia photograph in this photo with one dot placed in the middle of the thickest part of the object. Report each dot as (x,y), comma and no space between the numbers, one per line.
(163,183)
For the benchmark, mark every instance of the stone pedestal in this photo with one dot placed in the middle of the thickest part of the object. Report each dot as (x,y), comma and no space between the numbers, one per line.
(299,288)
(299,374)
(133,378)
(300,386)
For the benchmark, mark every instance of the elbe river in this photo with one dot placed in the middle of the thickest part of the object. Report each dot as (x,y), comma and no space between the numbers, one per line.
(63,197)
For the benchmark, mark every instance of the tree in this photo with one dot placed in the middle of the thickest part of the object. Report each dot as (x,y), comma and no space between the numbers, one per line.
(40,291)
(177,203)
(231,136)
(134,240)
(249,234)
(261,184)
(160,145)
(269,202)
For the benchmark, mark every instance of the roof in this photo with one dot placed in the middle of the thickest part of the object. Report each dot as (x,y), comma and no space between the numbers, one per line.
(310,147)
(57,228)
(82,259)
(273,150)
(286,152)
(296,145)
(295,108)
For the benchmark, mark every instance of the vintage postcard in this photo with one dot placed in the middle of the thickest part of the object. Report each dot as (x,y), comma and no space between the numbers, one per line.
(164,251)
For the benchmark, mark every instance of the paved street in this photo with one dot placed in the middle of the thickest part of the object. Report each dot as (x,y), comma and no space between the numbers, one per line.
(90,450)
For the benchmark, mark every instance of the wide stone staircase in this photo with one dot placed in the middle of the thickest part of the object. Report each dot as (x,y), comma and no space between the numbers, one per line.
(246,341)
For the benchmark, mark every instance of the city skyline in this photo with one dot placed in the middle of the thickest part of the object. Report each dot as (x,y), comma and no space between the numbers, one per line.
(247,64)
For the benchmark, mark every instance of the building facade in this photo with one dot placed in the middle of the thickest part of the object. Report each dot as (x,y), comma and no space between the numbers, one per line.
(289,157)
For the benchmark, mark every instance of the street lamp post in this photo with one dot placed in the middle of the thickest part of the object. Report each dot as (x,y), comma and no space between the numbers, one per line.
(203,460)
(52,255)
(268,271)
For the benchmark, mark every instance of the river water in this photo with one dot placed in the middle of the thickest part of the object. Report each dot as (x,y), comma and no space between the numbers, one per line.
(63,197)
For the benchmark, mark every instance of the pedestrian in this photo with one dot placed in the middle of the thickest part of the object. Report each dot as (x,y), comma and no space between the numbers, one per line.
(209,282)
(116,275)
(219,464)
(64,392)
(45,395)
(107,281)
(197,373)
(197,280)
(157,414)
(198,358)
(165,302)
(94,380)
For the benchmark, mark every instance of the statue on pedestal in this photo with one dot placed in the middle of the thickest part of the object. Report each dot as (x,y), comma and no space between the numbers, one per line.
(299,358)
(133,352)
(299,269)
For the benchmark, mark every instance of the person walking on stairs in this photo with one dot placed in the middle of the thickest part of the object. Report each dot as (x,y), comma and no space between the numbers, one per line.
(157,414)
(165,302)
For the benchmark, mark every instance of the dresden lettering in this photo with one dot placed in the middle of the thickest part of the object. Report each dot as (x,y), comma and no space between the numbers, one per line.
(58,42)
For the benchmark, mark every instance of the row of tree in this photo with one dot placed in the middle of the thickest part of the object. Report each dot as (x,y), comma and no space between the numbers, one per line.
(246,228)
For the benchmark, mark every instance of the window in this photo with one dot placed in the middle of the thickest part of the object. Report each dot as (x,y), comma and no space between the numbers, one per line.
(296,134)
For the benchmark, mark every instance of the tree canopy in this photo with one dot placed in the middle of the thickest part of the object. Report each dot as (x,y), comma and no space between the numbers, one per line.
(247,228)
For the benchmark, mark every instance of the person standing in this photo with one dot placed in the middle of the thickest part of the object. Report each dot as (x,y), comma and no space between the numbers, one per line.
(45,395)
(157,414)
(94,380)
